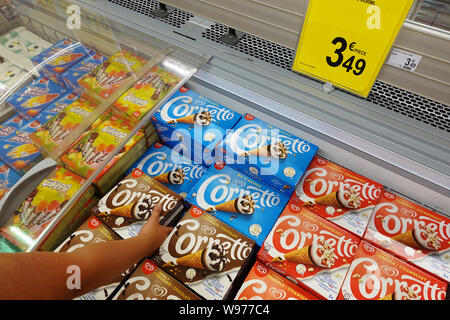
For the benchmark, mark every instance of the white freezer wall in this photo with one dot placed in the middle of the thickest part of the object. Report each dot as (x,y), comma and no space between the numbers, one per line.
(280,21)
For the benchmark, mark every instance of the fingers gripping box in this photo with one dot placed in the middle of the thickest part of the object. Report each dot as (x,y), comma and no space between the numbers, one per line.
(247,205)
(205,254)
(338,195)
(262,283)
(130,203)
(268,154)
(411,232)
(148,282)
(376,275)
(196,122)
(170,168)
(310,251)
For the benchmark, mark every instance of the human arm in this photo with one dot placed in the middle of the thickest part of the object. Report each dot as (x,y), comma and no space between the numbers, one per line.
(43,275)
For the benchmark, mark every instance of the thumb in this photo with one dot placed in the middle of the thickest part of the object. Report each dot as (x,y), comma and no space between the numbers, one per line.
(156,212)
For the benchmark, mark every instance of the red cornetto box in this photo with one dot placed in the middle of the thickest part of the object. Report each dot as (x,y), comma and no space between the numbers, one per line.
(338,195)
(377,275)
(310,251)
(262,283)
(411,232)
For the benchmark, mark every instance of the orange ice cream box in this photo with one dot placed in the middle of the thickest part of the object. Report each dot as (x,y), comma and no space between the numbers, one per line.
(262,283)
(377,275)
(310,251)
(411,232)
(338,195)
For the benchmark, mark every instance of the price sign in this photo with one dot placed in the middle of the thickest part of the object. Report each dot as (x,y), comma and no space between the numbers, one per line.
(346,42)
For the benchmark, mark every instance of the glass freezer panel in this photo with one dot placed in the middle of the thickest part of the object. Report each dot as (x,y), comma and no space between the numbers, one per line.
(76,98)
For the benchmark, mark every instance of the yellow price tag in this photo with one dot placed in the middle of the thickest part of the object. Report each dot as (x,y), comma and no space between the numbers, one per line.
(346,42)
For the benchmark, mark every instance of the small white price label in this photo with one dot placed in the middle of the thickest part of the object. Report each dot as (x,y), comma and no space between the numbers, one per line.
(404,60)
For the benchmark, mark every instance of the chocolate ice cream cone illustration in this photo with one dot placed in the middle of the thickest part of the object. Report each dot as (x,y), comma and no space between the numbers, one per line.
(421,237)
(193,260)
(124,211)
(172,177)
(243,205)
(211,258)
(202,119)
(275,150)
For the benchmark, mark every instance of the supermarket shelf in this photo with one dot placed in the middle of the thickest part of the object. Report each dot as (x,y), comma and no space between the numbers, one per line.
(351,131)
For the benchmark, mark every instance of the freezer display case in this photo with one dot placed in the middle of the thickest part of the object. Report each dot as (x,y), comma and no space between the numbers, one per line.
(103,101)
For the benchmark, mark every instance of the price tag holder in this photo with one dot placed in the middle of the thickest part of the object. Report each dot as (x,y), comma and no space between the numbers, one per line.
(346,42)
(404,60)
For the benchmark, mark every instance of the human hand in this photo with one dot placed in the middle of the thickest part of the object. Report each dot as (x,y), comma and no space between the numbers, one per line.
(152,233)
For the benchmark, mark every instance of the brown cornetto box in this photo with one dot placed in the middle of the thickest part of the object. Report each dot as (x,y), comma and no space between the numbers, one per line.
(93,231)
(206,255)
(148,282)
(126,208)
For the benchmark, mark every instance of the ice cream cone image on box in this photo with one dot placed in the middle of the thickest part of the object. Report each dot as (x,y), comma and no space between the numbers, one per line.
(124,211)
(244,205)
(319,254)
(276,150)
(202,119)
(211,258)
(172,177)
(37,101)
(138,210)
(344,198)
(404,293)
(421,237)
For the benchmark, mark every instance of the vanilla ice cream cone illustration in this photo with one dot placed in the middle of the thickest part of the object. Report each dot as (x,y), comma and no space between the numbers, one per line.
(404,293)
(319,254)
(172,177)
(344,197)
(421,237)
(211,258)
(244,205)
(276,150)
(202,119)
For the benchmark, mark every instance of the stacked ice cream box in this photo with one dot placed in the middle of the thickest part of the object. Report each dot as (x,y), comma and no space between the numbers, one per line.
(240,234)
(49,112)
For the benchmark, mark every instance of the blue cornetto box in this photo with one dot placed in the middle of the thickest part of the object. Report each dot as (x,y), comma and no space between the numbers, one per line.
(243,203)
(170,168)
(72,75)
(195,122)
(268,154)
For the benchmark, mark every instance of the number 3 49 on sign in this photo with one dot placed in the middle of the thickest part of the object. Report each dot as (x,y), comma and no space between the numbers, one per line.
(346,42)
